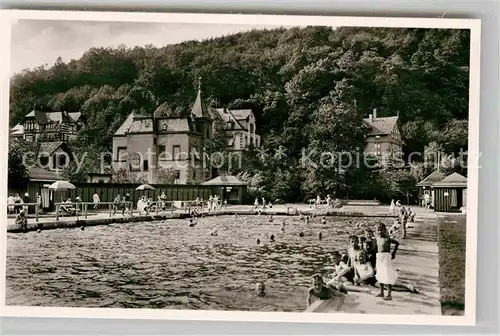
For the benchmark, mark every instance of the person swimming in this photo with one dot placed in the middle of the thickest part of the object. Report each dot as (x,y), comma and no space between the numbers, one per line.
(258,241)
(301,234)
(320,235)
(271,238)
(323,220)
(260,289)
(271,218)
(321,291)
(283,226)
(192,222)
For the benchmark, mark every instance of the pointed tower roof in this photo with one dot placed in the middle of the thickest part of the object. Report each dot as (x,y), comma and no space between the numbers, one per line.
(199,109)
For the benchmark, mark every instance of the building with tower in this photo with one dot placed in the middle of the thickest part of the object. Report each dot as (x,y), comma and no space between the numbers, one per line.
(147,145)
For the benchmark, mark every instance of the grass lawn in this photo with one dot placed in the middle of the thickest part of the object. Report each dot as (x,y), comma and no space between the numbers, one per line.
(451,243)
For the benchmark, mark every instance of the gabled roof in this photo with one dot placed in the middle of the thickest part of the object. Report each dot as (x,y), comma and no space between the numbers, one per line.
(452,181)
(39,174)
(214,114)
(199,110)
(126,125)
(434,177)
(381,125)
(225,180)
(17,130)
(46,117)
(228,116)
(50,147)
(241,114)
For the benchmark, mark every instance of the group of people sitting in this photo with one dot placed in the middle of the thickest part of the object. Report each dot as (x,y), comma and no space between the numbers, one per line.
(14,204)
(67,207)
(329,201)
(369,261)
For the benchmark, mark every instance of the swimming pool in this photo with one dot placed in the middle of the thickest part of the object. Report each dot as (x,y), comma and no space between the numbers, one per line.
(170,265)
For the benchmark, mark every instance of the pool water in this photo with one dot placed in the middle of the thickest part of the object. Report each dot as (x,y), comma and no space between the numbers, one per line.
(173,266)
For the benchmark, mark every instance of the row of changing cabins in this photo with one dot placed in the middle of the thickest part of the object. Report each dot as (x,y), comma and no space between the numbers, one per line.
(446,193)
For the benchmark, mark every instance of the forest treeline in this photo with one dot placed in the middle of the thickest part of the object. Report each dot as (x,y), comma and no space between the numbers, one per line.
(308,87)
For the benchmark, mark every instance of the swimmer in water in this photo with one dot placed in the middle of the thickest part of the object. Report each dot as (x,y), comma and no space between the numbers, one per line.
(271,219)
(301,234)
(82,228)
(320,236)
(323,220)
(301,217)
(258,241)
(192,222)
(260,289)
(271,239)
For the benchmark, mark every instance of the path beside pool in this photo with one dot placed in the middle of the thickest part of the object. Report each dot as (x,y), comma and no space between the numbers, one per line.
(417,263)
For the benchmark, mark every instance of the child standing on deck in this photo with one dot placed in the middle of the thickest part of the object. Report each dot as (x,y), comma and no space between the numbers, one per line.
(371,247)
(386,273)
(353,250)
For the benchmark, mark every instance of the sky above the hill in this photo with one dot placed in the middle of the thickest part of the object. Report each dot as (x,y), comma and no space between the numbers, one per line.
(39,42)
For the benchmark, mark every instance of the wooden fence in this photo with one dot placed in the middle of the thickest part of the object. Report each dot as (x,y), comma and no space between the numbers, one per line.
(108,191)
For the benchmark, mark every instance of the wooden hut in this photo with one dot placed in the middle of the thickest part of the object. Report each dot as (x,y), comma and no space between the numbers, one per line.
(426,191)
(230,187)
(450,194)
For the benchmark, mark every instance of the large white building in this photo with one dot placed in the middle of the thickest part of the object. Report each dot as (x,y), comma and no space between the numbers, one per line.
(145,145)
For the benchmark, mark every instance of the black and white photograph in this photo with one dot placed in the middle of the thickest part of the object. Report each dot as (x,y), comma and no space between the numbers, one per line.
(227,165)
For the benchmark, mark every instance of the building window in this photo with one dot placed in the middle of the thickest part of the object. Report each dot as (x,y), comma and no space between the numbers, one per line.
(176,150)
(230,125)
(62,160)
(241,141)
(177,176)
(377,146)
(44,161)
(135,162)
(121,154)
(252,126)
(145,165)
(377,136)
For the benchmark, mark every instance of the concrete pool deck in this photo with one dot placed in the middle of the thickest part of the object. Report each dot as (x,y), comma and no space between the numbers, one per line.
(103,218)
(417,264)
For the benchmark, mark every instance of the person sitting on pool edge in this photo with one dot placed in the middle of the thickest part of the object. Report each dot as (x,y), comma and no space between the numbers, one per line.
(22,221)
(342,274)
(320,291)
